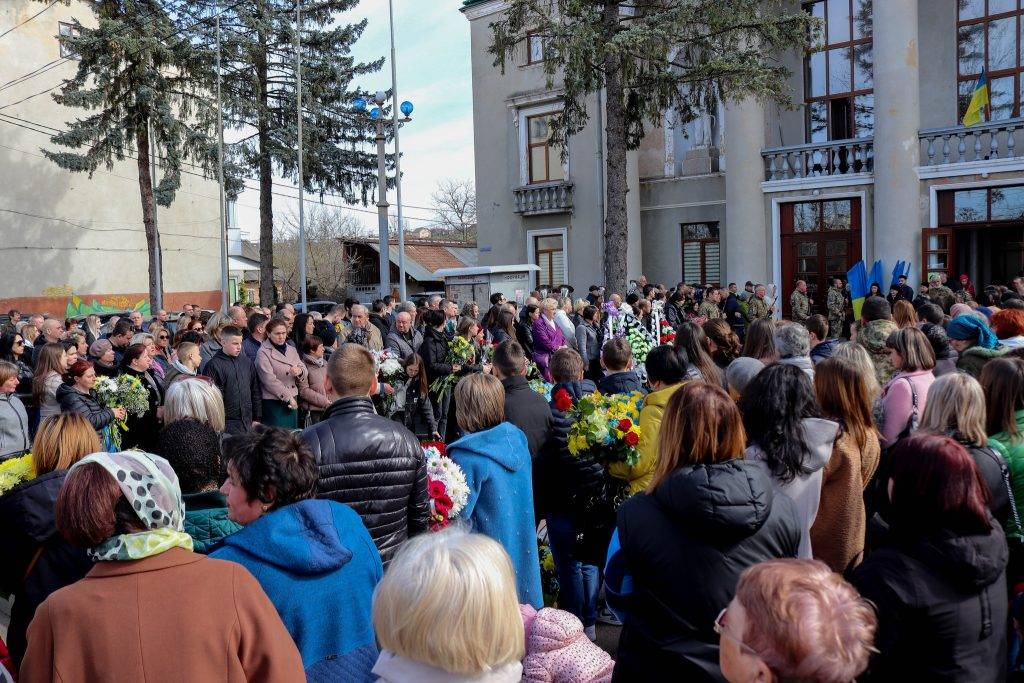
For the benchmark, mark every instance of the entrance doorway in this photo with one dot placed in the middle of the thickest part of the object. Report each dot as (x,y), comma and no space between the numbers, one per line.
(820,241)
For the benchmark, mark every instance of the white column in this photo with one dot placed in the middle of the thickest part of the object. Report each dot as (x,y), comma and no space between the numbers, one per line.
(897,192)
(746,241)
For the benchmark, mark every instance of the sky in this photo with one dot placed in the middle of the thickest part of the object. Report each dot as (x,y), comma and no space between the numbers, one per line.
(432,46)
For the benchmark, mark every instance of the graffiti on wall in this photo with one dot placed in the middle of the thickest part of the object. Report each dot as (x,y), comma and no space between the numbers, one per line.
(113,303)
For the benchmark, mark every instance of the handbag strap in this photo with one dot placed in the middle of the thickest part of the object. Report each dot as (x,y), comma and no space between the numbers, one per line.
(914,419)
(1013,501)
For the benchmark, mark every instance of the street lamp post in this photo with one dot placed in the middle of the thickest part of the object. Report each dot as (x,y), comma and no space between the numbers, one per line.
(377,114)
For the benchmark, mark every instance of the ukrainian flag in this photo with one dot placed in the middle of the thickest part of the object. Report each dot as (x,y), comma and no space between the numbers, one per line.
(975,113)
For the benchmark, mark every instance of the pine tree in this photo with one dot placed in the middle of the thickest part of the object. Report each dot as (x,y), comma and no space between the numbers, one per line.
(259,79)
(141,76)
(649,56)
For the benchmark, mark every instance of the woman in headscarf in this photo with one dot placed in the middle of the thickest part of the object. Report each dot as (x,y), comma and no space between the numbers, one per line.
(150,609)
(975,342)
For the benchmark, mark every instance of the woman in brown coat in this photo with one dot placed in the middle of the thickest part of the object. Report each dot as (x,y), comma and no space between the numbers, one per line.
(281,373)
(313,398)
(150,609)
(837,535)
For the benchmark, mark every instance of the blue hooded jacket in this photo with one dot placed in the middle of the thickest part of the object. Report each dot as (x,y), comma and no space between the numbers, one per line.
(319,566)
(498,470)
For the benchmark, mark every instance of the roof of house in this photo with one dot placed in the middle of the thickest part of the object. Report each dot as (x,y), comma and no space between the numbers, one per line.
(423,257)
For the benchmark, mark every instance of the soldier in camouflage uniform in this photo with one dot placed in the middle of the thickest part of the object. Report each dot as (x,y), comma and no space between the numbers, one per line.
(709,307)
(940,293)
(800,303)
(757,307)
(836,304)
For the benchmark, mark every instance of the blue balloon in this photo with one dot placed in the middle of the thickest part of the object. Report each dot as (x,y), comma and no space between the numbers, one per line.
(406,107)
(375,113)
(360,103)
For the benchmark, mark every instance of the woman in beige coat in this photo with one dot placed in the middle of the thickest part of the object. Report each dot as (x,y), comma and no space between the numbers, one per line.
(282,373)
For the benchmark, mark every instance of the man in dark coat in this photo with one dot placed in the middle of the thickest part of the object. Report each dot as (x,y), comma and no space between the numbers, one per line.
(403,339)
(235,376)
(378,318)
(524,407)
(368,462)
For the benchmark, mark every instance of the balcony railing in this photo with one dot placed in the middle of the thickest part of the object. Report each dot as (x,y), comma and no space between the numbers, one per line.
(820,159)
(534,200)
(983,142)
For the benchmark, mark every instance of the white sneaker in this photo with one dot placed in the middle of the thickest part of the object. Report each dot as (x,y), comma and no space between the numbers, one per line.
(591,632)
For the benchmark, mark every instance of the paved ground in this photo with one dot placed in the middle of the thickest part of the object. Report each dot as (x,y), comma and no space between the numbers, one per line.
(608,638)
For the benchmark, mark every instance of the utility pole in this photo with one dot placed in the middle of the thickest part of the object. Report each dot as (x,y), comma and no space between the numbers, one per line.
(398,159)
(302,215)
(220,179)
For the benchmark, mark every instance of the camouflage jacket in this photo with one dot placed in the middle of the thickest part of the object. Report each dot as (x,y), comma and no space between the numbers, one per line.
(800,304)
(836,304)
(872,337)
(757,309)
(942,291)
(709,310)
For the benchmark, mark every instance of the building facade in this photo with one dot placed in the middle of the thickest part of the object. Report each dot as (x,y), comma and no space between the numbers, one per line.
(873,164)
(71,244)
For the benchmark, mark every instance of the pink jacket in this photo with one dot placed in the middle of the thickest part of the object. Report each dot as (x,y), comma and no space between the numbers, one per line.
(275,372)
(898,402)
(557,650)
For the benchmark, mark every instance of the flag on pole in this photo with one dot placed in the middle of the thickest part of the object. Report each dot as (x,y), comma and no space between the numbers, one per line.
(902,269)
(857,277)
(975,113)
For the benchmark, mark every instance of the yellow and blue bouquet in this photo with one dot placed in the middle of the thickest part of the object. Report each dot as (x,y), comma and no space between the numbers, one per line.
(460,352)
(606,427)
(124,391)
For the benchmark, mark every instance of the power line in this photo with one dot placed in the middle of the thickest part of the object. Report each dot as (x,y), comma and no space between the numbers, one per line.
(17,26)
(91,229)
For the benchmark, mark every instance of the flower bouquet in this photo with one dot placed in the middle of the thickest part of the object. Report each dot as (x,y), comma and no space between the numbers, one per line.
(667,335)
(460,352)
(124,391)
(447,489)
(537,381)
(16,471)
(606,427)
(389,371)
(548,573)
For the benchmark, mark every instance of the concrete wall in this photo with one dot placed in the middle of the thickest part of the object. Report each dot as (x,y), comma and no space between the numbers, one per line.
(84,237)
(936,26)
(669,203)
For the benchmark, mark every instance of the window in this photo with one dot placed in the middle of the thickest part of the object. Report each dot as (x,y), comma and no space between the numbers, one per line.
(981,205)
(839,73)
(65,29)
(549,250)
(536,48)
(545,159)
(988,36)
(702,256)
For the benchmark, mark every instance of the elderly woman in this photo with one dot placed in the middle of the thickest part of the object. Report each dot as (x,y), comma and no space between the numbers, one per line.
(975,342)
(496,460)
(125,509)
(794,620)
(314,558)
(37,560)
(101,353)
(281,373)
(197,398)
(547,336)
(793,345)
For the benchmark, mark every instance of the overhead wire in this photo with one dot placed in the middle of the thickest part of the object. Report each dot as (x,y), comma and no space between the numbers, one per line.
(17,26)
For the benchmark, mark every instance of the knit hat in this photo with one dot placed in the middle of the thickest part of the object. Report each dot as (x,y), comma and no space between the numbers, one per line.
(969,328)
(100,347)
(742,372)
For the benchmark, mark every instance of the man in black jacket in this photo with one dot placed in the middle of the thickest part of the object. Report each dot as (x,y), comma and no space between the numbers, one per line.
(235,376)
(524,407)
(368,462)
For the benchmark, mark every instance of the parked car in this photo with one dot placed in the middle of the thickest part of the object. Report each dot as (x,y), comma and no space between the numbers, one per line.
(321,307)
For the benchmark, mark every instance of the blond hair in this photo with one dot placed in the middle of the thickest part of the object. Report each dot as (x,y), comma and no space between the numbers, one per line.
(351,370)
(550,302)
(459,581)
(481,402)
(63,440)
(956,404)
(197,398)
(858,355)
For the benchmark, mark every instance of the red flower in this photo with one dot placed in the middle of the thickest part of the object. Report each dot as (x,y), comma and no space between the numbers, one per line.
(436,489)
(563,401)
(439,445)
(664,323)
(625,425)
(443,504)
(632,439)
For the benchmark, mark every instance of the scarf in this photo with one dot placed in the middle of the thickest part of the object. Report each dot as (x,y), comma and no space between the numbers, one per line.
(281,348)
(151,486)
(180,367)
(969,328)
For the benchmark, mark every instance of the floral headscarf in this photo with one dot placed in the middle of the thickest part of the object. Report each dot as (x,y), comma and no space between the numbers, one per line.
(151,486)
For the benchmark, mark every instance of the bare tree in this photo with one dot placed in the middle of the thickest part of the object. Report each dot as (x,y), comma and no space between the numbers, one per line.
(454,205)
(327,272)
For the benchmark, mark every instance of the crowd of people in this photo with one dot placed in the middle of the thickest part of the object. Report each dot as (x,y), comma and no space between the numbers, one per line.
(822,497)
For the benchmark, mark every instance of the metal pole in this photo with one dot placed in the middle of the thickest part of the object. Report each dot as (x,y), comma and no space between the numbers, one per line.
(220,179)
(159,256)
(382,211)
(298,95)
(398,159)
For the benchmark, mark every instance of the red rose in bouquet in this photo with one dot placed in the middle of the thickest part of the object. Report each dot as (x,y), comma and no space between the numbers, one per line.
(631,439)
(443,505)
(563,401)
(436,489)
(625,425)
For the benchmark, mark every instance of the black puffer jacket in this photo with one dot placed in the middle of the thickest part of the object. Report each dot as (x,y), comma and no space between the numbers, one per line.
(565,478)
(528,410)
(994,471)
(375,466)
(27,524)
(721,519)
(236,378)
(433,350)
(941,602)
(73,401)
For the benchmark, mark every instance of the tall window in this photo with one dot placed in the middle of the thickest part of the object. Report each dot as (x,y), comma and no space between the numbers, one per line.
(988,35)
(839,73)
(702,256)
(549,251)
(536,48)
(68,30)
(544,158)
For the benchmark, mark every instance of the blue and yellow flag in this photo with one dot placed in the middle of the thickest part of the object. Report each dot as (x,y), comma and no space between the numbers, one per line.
(975,113)
(857,277)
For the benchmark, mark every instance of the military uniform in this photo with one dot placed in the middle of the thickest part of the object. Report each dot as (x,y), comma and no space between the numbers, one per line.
(800,304)
(710,310)
(757,309)
(836,311)
(942,291)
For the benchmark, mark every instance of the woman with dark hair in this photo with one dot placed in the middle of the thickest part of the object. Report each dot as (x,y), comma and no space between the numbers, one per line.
(313,395)
(434,351)
(760,341)
(76,395)
(674,312)
(722,516)
(12,350)
(588,342)
(875,289)
(142,430)
(490,321)
(524,328)
(412,401)
(150,608)
(469,329)
(945,355)
(504,328)
(939,583)
(304,325)
(788,439)
(281,372)
(723,341)
(690,338)
(314,558)
(1002,380)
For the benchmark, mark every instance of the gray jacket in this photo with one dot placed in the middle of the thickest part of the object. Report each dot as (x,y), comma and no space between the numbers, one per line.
(13,426)
(588,343)
(402,346)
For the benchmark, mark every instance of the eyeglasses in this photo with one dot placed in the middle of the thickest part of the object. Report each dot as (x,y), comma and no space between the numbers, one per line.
(19,342)
(722,629)
(163,336)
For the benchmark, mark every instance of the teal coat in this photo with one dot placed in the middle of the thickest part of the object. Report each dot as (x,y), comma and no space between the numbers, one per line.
(206,519)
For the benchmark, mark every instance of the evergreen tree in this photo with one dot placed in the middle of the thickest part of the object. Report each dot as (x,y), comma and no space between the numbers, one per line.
(649,56)
(259,89)
(141,76)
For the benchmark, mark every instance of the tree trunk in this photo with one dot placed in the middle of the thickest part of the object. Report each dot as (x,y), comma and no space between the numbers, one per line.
(148,213)
(267,289)
(615,224)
